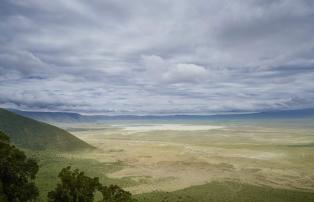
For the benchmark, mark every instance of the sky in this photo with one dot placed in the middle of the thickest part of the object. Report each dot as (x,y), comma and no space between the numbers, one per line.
(156,57)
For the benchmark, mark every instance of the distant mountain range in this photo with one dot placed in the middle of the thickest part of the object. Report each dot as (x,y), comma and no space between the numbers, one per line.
(65,117)
(28,133)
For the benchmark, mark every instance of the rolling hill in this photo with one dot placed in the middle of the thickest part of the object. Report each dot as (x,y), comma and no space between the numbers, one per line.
(28,133)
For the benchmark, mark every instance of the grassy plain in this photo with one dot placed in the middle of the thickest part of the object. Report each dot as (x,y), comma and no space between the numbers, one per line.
(195,161)
(228,192)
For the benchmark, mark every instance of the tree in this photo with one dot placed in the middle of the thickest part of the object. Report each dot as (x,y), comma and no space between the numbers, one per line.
(114,193)
(17,173)
(75,186)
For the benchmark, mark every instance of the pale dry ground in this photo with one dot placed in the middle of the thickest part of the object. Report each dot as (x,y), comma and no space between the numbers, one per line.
(169,157)
(163,127)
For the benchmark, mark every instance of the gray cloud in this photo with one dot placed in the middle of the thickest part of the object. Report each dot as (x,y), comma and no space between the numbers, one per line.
(156,56)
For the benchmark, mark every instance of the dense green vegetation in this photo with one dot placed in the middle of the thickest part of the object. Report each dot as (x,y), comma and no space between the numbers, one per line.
(228,192)
(28,133)
(75,186)
(17,173)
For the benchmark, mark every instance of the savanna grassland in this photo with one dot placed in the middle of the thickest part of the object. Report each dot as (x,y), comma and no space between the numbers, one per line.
(217,161)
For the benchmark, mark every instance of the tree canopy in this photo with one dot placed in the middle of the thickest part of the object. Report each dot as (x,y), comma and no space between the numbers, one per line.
(114,193)
(75,186)
(17,173)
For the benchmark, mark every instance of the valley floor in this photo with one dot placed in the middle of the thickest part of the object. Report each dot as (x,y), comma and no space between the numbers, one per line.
(157,159)
(183,155)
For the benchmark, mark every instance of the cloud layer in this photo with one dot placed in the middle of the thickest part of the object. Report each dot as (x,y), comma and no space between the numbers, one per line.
(156,57)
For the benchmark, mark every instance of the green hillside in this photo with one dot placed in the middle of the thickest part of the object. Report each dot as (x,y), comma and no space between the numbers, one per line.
(31,134)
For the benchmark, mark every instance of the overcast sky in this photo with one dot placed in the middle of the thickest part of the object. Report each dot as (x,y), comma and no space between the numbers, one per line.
(156,57)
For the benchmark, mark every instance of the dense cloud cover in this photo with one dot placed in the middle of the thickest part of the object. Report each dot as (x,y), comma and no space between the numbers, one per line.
(157,56)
